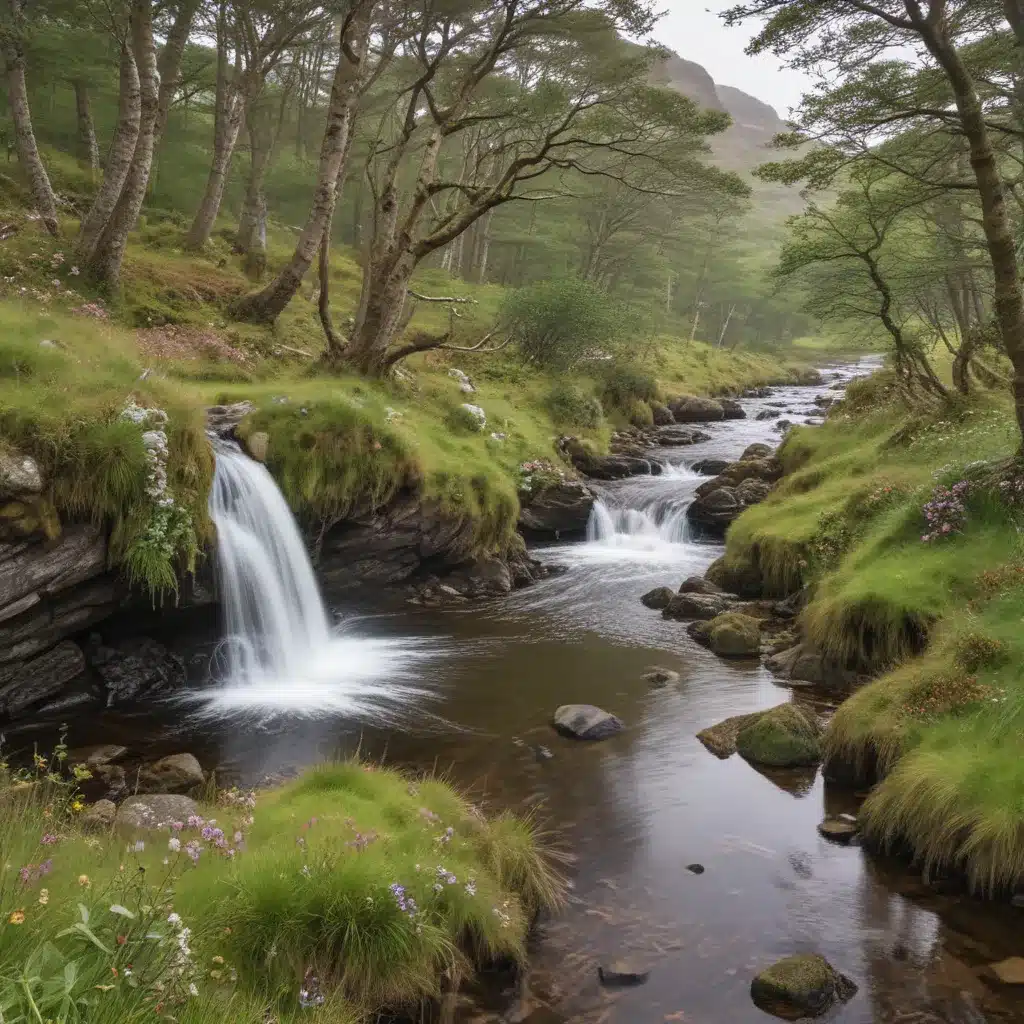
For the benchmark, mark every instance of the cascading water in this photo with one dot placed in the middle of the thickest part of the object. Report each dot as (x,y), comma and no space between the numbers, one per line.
(280,652)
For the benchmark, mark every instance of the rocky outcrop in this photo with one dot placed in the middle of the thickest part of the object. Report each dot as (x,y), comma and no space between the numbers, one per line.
(711,467)
(658,598)
(223,419)
(20,476)
(720,739)
(694,409)
(586,722)
(808,377)
(135,668)
(156,811)
(24,684)
(758,450)
(784,737)
(699,585)
(742,484)
(742,578)
(806,985)
(732,409)
(730,635)
(696,606)
(662,414)
(590,463)
(176,773)
(801,663)
(560,510)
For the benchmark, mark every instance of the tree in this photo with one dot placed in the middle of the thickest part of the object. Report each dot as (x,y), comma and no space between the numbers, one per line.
(850,36)
(13,35)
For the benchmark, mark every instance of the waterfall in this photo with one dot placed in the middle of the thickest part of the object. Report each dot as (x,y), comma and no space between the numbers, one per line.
(659,520)
(280,652)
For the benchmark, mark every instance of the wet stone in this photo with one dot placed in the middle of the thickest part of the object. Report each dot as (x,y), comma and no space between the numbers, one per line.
(586,722)
(622,972)
(1010,971)
(696,869)
(838,830)
(658,598)
(658,676)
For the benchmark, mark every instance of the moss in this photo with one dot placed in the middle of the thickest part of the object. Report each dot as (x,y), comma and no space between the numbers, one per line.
(783,737)
(734,635)
(805,984)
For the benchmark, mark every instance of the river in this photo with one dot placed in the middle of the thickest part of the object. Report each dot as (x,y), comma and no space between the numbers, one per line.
(636,810)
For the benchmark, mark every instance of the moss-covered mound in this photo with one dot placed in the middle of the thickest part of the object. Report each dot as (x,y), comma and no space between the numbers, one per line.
(784,737)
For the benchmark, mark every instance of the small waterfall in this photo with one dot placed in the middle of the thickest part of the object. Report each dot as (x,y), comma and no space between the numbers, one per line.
(660,520)
(280,652)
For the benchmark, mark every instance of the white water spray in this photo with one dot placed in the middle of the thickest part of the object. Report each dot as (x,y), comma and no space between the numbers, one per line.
(280,652)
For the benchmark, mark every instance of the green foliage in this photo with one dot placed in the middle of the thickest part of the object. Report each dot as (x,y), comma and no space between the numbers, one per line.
(625,383)
(569,405)
(559,322)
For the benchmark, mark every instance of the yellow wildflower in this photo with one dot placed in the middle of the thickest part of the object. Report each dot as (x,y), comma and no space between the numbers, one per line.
(77,806)
(17,917)
(83,881)
(44,897)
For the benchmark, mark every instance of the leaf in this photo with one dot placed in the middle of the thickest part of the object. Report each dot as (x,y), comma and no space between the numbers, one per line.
(122,911)
(83,913)
(81,929)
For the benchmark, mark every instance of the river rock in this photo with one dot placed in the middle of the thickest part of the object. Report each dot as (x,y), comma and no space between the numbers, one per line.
(1010,971)
(257,445)
(176,773)
(710,467)
(803,664)
(720,739)
(662,415)
(622,972)
(658,598)
(716,509)
(658,676)
(223,419)
(802,985)
(808,377)
(732,409)
(695,606)
(838,830)
(135,668)
(605,467)
(559,510)
(783,425)
(698,585)
(824,401)
(742,578)
(155,811)
(757,451)
(693,409)
(753,492)
(99,817)
(20,476)
(586,722)
(768,414)
(783,737)
(676,436)
(761,392)
(734,635)
(96,755)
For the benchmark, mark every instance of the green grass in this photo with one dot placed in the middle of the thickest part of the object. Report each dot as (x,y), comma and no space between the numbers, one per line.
(308,892)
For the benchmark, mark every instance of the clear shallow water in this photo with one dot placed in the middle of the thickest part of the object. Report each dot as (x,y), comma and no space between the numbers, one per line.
(639,808)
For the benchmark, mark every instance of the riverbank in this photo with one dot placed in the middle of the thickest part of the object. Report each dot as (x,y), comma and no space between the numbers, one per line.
(352,891)
(901,526)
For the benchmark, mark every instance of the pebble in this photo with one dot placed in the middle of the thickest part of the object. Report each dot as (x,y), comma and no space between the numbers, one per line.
(696,869)
(622,972)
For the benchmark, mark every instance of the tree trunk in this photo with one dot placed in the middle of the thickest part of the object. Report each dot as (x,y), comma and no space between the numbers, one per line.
(1009,299)
(335,342)
(485,248)
(266,305)
(119,158)
(43,199)
(381,315)
(104,266)
(251,239)
(88,147)
(169,64)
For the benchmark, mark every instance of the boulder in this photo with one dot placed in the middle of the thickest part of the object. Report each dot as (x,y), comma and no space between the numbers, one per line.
(1010,971)
(699,585)
(742,578)
(784,737)
(24,684)
(585,722)
(757,451)
(803,664)
(223,419)
(155,811)
(176,773)
(783,425)
(97,755)
(605,467)
(802,985)
(768,414)
(734,635)
(716,508)
(20,476)
(695,606)
(658,676)
(761,392)
(99,817)
(622,972)
(824,401)
(135,668)
(753,492)
(732,409)
(662,415)
(720,739)
(838,830)
(257,444)
(808,377)
(561,509)
(692,409)
(658,598)
(676,436)
(710,467)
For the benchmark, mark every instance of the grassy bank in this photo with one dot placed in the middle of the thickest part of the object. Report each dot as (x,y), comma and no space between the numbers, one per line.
(350,891)
(337,443)
(932,606)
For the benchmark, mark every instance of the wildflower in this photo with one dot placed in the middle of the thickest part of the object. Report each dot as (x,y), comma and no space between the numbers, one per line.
(218,959)
(48,840)
(75,271)
(174,844)
(305,870)
(177,826)
(25,874)
(83,881)
(16,917)
(471,888)
(44,897)
(193,849)
(45,868)
(300,841)
(310,995)
(122,939)
(56,282)
(128,971)
(194,821)
(238,837)
(192,990)
(140,845)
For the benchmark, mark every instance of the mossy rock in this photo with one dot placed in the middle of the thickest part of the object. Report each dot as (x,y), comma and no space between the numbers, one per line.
(31,517)
(799,986)
(734,635)
(720,739)
(736,576)
(784,737)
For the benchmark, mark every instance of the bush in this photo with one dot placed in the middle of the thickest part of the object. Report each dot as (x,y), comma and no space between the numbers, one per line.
(625,384)
(572,406)
(558,323)
(641,414)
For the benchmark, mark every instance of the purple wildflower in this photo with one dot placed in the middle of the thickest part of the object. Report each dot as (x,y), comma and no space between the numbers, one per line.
(48,840)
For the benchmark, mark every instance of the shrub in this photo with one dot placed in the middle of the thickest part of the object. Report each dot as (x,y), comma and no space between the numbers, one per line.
(626,383)
(572,406)
(641,414)
(558,323)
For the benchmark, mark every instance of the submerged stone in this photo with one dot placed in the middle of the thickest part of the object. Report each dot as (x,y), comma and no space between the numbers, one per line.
(658,676)
(734,635)
(658,598)
(838,830)
(802,985)
(695,869)
(586,722)
(622,972)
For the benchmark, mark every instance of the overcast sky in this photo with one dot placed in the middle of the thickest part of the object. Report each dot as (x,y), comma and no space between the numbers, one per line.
(693,29)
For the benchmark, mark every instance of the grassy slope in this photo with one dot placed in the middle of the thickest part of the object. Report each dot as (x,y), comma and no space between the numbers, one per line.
(943,726)
(307,890)
(335,444)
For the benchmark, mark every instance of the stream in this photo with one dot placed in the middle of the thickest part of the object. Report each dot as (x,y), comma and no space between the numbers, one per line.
(481,683)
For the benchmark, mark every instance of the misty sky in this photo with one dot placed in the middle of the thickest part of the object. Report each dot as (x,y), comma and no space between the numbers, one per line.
(693,29)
